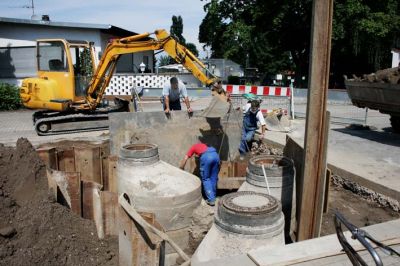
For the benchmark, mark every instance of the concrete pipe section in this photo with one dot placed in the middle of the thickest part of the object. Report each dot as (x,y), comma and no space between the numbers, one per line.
(280,175)
(243,221)
(160,188)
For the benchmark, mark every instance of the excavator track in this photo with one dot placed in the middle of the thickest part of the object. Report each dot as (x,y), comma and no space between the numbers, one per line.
(72,123)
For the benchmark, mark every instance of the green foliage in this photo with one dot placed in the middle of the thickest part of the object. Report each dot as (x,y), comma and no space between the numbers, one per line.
(192,48)
(274,35)
(85,63)
(177,29)
(9,97)
(164,60)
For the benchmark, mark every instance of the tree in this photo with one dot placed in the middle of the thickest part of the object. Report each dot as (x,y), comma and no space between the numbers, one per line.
(274,35)
(192,48)
(177,29)
(164,60)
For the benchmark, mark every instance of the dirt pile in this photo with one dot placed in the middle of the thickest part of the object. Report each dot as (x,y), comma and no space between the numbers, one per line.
(36,230)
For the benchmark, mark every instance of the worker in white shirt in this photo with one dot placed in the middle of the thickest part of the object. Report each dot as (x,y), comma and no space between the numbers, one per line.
(252,116)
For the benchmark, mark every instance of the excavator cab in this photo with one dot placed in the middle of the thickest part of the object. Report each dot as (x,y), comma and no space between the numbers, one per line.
(64,71)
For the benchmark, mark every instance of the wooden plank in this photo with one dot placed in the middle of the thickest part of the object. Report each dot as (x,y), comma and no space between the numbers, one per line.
(145,253)
(125,236)
(239,168)
(315,137)
(225,170)
(133,249)
(104,153)
(48,156)
(89,201)
(51,182)
(74,191)
(98,211)
(66,160)
(109,206)
(320,196)
(88,163)
(328,177)
(111,183)
(294,151)
(230,182)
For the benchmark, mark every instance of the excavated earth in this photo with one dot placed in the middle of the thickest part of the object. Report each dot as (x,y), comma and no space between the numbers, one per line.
(36,230)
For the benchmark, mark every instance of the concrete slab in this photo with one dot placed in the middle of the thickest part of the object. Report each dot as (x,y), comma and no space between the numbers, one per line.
(320,251)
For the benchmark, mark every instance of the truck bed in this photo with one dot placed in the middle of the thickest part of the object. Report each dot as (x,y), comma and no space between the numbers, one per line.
(384,97)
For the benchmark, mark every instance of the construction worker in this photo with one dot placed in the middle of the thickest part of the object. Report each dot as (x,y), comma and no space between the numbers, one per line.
(209,169)
(252,116)
(172,91)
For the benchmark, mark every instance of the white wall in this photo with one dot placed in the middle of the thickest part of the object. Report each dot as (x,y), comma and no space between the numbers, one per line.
(395,58)
(25,35)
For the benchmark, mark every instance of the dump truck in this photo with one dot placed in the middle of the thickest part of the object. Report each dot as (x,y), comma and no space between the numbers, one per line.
(378,91)
(68,91)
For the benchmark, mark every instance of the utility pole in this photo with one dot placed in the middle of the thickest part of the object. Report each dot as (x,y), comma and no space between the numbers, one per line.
(315,142)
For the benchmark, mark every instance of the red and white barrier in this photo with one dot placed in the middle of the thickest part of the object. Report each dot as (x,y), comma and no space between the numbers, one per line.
(258,90)
(266,92)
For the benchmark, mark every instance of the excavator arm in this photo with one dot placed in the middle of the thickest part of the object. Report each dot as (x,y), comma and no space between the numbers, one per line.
(140,43)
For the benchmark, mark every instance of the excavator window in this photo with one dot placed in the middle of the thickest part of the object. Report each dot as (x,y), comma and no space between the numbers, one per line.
(52,56)
(56,65)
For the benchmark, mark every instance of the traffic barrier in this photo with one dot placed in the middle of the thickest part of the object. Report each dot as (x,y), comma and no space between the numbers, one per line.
(272,97)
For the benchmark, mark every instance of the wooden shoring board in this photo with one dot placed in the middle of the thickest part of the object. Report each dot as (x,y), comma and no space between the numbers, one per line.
(66,160)
(89,189)
(230,182)
(133,249)
(88,163)
(239,168)
(48,156)
(74,191)
(110,182)
(327,187)
(109,205)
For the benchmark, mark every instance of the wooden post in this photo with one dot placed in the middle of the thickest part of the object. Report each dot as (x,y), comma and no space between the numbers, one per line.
(313,185)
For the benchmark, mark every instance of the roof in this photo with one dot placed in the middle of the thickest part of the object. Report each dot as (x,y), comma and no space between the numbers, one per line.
(105,28)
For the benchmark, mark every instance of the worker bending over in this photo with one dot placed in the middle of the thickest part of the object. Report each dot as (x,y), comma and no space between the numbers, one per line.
(172,91)
(252,115)
(209,168)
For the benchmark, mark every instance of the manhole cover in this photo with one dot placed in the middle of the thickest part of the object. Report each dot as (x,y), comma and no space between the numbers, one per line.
(249,202)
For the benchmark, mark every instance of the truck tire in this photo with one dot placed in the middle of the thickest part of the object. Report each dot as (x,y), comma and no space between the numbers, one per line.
(395,122)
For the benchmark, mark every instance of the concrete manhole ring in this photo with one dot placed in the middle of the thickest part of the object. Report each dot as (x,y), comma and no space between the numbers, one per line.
(139,150)
(249,202)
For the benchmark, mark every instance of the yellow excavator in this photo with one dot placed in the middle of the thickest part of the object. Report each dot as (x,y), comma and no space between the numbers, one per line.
(70,89)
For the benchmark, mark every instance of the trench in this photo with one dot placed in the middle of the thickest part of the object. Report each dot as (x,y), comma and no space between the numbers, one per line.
(81,176)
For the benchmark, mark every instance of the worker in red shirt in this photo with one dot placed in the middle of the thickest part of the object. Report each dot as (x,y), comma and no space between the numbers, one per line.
(209,168)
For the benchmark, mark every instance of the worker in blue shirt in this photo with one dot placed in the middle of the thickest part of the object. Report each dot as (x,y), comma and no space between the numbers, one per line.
(252,116)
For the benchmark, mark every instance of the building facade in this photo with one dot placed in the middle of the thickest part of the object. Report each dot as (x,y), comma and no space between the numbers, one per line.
(18,45)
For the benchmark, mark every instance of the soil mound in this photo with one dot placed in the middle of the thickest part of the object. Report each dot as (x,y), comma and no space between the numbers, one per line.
(34,228)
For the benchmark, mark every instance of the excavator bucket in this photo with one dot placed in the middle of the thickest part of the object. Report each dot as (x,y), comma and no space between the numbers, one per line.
(278,121)
(218,107)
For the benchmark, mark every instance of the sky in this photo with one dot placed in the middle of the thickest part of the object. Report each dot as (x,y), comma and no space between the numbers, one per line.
(134,15)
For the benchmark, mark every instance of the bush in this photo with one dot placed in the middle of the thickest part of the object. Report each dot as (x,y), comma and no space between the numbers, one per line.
(9,97)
